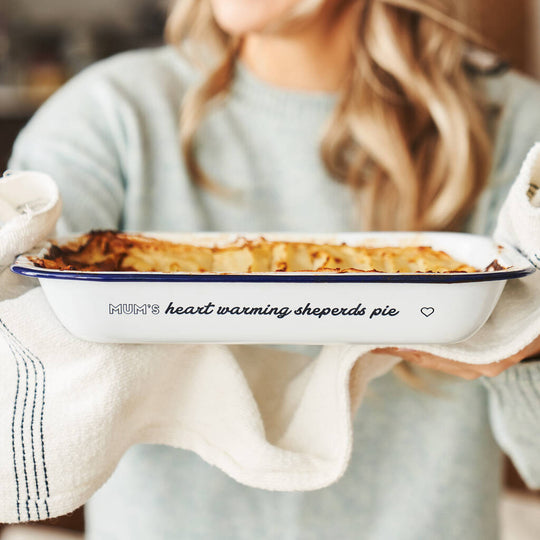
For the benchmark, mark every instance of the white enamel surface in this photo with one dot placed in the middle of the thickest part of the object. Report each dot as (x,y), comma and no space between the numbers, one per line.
(395,313)
(426,313)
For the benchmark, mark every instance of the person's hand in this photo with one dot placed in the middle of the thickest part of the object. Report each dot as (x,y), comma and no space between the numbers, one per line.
(460,369)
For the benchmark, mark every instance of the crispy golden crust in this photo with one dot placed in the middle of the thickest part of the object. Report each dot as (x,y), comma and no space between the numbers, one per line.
(112,251)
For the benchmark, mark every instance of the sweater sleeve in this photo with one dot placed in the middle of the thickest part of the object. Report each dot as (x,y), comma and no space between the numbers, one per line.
(74,138)
(514,395)
(514,406)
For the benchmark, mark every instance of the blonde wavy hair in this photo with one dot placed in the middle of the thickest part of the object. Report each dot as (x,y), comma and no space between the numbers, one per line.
(408,134)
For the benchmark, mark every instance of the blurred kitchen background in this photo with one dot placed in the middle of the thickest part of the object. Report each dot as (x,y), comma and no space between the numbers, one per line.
(45,42)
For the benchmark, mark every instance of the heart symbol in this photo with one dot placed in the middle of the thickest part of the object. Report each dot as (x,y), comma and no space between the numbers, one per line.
(427,311)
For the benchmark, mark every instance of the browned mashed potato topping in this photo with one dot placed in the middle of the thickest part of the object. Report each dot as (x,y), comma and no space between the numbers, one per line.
(114,251)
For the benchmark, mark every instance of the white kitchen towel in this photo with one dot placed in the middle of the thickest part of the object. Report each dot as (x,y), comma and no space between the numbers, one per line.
(30,206)
(270,419)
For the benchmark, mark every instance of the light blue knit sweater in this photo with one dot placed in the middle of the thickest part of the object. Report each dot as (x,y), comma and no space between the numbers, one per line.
(424,466)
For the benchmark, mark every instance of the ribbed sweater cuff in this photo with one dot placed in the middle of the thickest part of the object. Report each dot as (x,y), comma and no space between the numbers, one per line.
(517,390)
(514,398)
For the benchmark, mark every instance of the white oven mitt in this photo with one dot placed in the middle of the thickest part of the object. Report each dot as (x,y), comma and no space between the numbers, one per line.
(519,220)
(270,419)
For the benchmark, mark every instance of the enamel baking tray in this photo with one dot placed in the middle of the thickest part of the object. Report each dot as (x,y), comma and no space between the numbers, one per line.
(307,308)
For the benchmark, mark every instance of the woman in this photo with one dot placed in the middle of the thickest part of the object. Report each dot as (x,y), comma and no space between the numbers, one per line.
(316,116)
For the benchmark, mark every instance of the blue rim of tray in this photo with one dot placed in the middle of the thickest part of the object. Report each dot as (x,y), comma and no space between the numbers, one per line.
(285,277)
